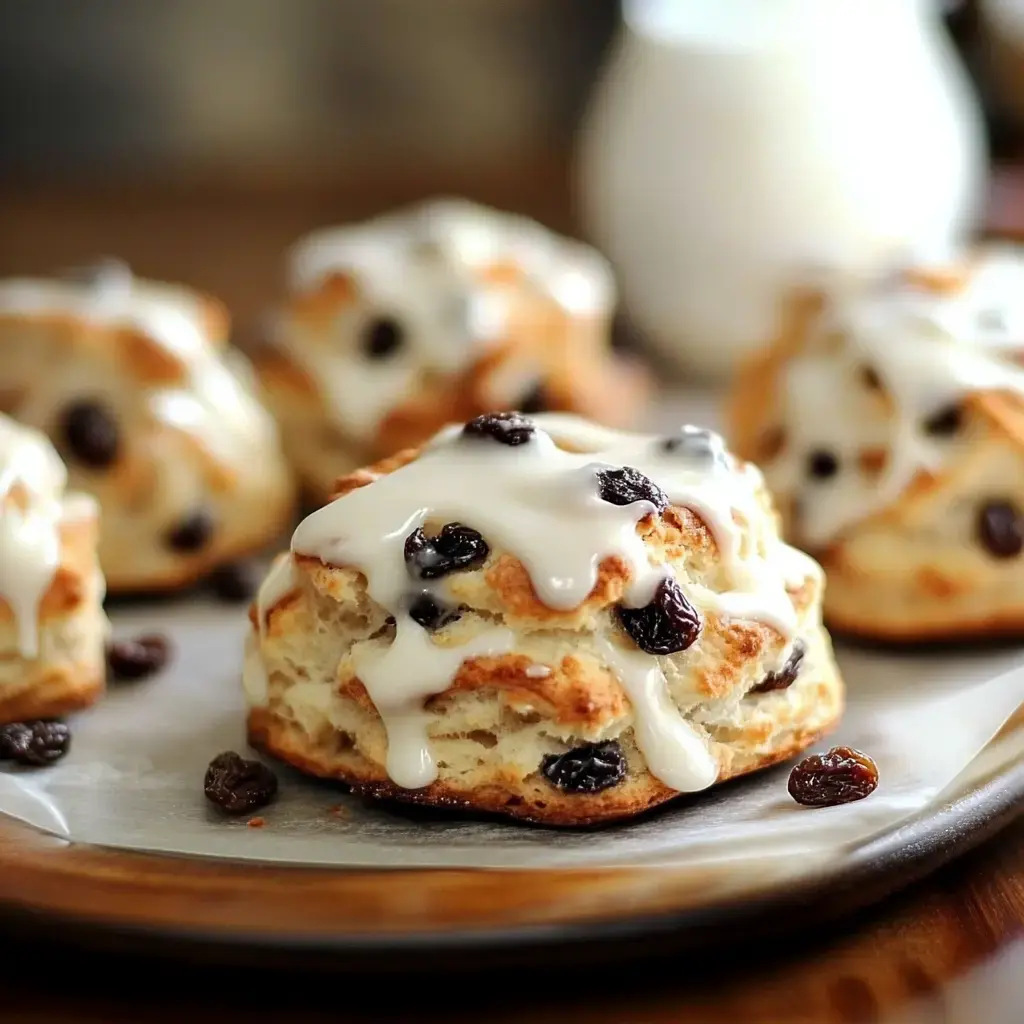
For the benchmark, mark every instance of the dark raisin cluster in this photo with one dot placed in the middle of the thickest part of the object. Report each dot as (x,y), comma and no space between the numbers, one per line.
(128,660)
(236,785)
(1000,529)
(626,485)
(838,777)
(89,433)
(382,338)
(667,625)
(786,676)
(430,613)
(944,422)
(455,548)
(193,532)
(511,428)
(586,769)
(36,743)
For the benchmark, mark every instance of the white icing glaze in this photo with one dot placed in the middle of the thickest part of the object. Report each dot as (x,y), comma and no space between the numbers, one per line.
(929,351)
(213,401)
(541,503)
(32,481)
(420,266)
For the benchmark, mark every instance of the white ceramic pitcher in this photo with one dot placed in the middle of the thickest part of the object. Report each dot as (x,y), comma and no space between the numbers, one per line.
(730,142)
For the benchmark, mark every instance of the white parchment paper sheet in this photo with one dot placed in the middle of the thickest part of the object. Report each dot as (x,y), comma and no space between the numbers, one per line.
(134,776)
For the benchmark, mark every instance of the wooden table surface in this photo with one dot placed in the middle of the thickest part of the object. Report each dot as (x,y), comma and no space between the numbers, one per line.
(949,949)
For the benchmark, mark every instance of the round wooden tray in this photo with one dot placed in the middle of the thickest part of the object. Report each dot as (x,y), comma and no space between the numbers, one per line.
(388,919)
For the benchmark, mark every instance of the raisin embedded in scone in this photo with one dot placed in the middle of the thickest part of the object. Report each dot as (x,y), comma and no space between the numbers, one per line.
(438,312)
(543,618)
(888,419)
(134,384)
(53,630)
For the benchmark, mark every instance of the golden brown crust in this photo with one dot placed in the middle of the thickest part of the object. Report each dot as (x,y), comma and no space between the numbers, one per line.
(51,692)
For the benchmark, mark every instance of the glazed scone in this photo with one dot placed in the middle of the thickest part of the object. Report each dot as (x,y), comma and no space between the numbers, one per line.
(432,314)
(153,415)
(545,619)
(53,630)
(888,419)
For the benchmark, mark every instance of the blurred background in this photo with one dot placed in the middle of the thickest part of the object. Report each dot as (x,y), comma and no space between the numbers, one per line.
(197,138)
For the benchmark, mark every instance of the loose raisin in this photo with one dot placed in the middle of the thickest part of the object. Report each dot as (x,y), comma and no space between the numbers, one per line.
(667,625)
(89,433)
(234,582)
(39,742)
(430,613)
(822,464)
(238,786)
(838,777)
(786,676)
(382,338)
(626,485)
(455,548)
(192,532)
(586,769)
(511,428)
(1000,529)
(945,422)
(129,660)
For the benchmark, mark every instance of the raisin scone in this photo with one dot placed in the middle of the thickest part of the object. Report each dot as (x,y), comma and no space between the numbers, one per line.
(433,314)
(888,419)
(53,630)
(542,618)
(153,414)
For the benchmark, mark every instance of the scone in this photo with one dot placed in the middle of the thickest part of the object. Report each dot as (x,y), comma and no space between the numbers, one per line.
(888,419)
(433,314)
(153,415)
(545,619)
(53,630)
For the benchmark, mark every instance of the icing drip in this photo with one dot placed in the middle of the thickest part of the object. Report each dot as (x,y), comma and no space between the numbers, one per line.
(213,400)
(32,480)
(421,267)
(541,503)
(928,351)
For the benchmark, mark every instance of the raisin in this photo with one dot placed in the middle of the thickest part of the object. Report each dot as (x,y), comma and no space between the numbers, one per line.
(511,428)
(667,625)
(945,422)
(586,769)
(869,375)
(838,777)
(696,444)
(1000,529)
(430,613)
(39,742)
(89,432)
(129,660)
(455,548)
(786,676)
(535,400)
(238,786)
(627,485)
(822,464)
(382,338)
(192,533)
(234,582)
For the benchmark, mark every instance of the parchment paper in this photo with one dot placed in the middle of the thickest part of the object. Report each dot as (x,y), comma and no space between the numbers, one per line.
(134,776)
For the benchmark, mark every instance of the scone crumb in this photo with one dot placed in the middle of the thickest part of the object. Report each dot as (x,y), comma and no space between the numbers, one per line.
(256,822)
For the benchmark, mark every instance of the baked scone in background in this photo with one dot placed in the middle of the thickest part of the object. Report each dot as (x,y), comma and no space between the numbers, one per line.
(888,419)
(542,618)
(53,630)
(433,314)
(153,414)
